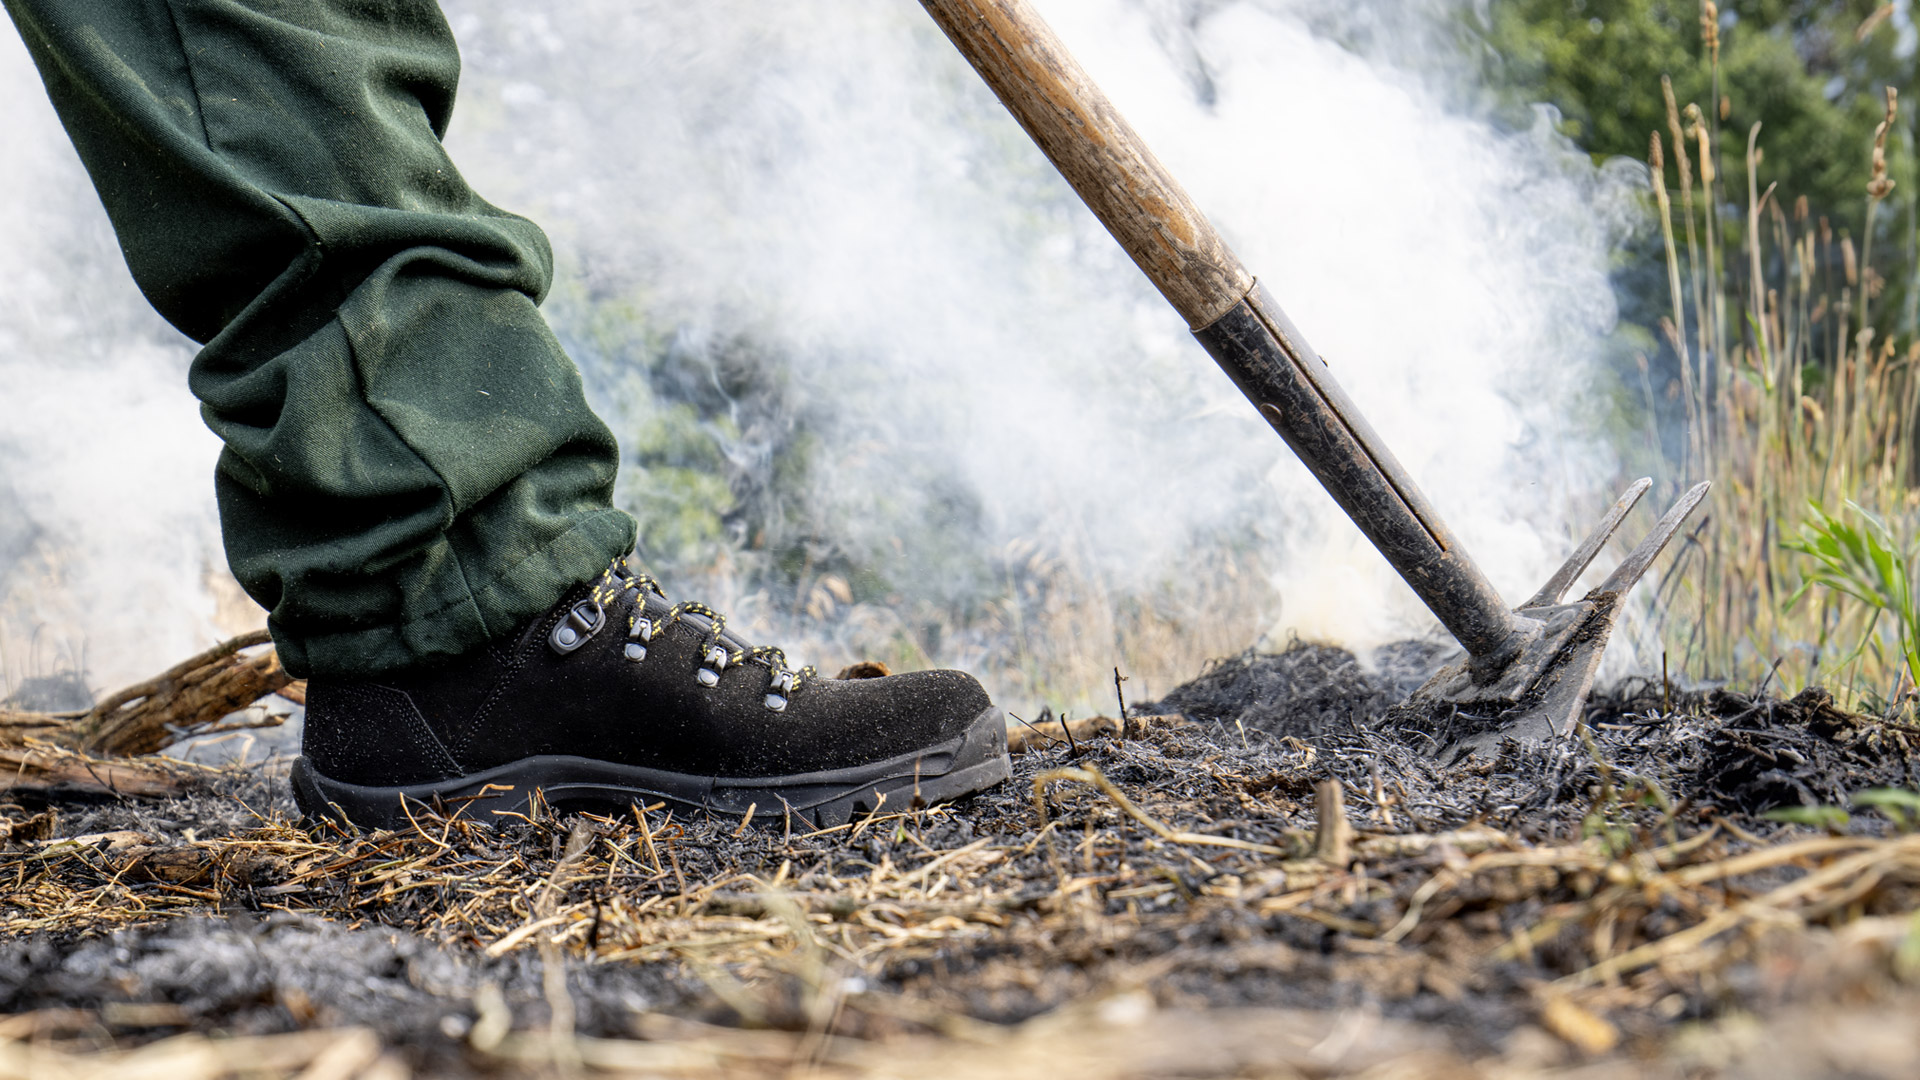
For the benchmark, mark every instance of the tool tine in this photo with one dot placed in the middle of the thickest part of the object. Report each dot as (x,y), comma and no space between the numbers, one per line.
(1636,563)
(1562,578)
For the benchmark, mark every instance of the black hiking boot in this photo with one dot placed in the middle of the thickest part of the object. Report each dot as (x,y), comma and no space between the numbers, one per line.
(617,696)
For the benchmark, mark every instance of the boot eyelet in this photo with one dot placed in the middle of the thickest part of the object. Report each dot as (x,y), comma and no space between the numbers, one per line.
(642,629)
(776,703)
(636,651)
(583,620)
(717,658)
(707,677)
(783,682)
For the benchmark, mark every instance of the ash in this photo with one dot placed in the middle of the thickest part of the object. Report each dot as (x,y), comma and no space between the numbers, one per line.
(1306,690)
(1208,883)
(1721,750)
(247,975)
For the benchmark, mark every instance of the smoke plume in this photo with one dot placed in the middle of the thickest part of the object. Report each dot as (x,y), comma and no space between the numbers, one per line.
(885,386)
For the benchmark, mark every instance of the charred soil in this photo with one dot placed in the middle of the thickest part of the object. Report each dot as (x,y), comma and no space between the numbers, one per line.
(1291,881)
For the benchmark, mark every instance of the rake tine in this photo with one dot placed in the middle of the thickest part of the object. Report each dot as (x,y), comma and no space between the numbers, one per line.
(1577,562)
(1630,570)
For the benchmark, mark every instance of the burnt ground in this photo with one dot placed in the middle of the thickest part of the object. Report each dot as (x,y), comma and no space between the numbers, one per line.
(1182,902)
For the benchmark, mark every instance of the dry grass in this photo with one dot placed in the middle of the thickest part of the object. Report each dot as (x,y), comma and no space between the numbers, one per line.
(1800,403)
(1106,896)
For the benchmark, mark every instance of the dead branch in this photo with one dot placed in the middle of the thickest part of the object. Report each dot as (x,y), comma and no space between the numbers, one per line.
(187,699)
(46,770)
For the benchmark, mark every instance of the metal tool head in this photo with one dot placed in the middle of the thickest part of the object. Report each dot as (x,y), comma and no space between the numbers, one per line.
(1530,668)
(1538,692)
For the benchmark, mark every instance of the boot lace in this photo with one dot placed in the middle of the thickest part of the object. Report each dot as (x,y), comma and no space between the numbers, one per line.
(716,652)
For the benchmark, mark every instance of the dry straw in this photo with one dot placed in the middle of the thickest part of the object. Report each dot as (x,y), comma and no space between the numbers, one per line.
(1089,858)
(1798,407)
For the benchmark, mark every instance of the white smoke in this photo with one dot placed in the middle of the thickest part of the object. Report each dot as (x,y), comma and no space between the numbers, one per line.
(107,526)
(846,186)
(832,183)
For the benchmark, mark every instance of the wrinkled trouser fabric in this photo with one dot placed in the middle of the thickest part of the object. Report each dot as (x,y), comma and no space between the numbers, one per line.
(410,468)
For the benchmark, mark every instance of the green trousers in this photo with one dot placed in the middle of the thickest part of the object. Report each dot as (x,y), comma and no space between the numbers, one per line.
(410,467)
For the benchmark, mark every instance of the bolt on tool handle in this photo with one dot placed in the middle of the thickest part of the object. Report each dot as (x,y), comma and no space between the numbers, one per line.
(1146,210)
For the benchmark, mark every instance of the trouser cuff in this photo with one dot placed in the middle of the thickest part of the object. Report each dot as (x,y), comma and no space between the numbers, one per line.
(481,611)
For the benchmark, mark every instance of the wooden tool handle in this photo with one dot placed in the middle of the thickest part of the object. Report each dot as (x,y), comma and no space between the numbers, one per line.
(1144,208)
(1098,152)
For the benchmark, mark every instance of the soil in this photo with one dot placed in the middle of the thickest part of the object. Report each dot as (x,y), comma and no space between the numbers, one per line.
(1616,898)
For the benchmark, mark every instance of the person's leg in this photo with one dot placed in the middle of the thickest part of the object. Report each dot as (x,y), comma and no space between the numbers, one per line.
(411,469)
(413,484)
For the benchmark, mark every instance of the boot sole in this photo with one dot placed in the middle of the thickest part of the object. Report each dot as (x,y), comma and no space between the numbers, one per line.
(972,761)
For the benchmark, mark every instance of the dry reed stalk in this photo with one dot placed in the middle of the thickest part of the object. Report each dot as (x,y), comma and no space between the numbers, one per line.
(1695,277)
(1676,329)
(1781,442)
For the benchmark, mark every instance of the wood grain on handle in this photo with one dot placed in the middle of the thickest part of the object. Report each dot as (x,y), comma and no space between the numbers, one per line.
(1098,152)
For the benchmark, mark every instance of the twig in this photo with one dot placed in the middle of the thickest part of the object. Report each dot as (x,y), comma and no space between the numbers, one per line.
(1091,774)
(1333,834)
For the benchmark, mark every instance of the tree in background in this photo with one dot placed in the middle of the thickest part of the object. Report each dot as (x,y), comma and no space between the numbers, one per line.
(1812,74)
(1776,339)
